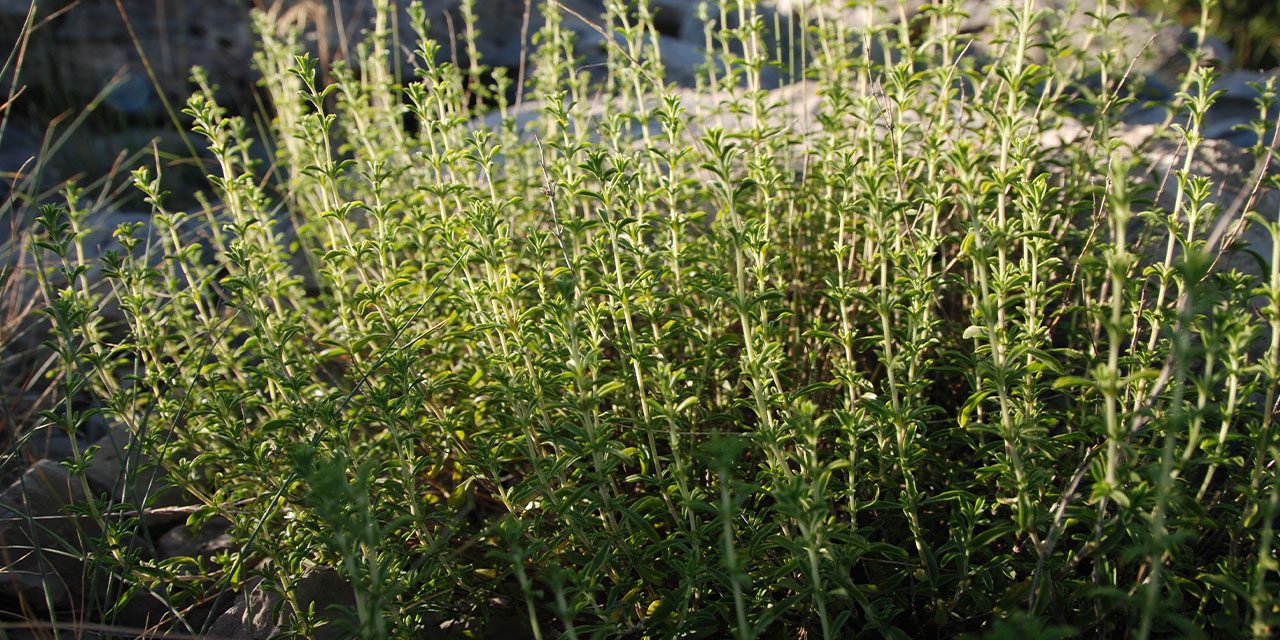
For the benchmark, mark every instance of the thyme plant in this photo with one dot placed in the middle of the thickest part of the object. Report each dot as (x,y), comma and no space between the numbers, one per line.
(623,360)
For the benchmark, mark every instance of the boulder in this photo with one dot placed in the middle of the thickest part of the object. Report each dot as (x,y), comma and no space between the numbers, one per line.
(47,441)
(1231,173)
(255,614)
(210,539)
(127,475)
(1230,170)
(39,541)
(15,8)
(42,545)
(19,149)
(87,44)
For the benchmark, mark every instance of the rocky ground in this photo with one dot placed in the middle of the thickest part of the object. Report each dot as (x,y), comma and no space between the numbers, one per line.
(74,53)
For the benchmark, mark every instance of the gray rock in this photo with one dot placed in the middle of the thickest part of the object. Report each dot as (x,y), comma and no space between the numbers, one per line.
(48,441)
(41,546)
(212,538)
(126,474)
(1156,47)
(15,8)
(500,622)
(254,614)
(39,542)
(1238,106)
(80,50)
(101,239)
(19,149)
(1229,169)
(681,59)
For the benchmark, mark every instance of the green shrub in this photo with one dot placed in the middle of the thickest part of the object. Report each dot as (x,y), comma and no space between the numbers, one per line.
(649,363)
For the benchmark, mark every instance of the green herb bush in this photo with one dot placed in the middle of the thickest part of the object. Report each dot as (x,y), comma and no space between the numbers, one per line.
(864,356)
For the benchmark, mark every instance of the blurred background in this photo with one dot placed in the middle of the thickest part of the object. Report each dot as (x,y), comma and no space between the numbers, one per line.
(91,86)
(1250,27)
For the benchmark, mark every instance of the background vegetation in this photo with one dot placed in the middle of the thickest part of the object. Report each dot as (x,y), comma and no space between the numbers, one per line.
(1251,28)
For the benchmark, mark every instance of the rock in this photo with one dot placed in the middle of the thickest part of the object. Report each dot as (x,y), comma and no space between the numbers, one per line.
(212,538)
(680,59)
(48,441)
(1158,50)
(15,8)
(253,614)
(41,546)
(125,473)
(501,621)
(19,149)
(39,543)
(98,241)
(797,109)
(1237,107)
(1161,56)
(81,49)
(1229,169)
(1230,114)
(691,33)
(33,437)
(89,154)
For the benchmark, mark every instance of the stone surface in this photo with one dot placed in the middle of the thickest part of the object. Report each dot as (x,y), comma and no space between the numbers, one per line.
(19,149)
(81,49)
(1160,56)
(38,541)
(15,8)
(212,538)
(78,51)
(126,475)
(1238,106)
(98,241)
(48,441)
(1231,173)
(92,42)
(40,544)
(253,616)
